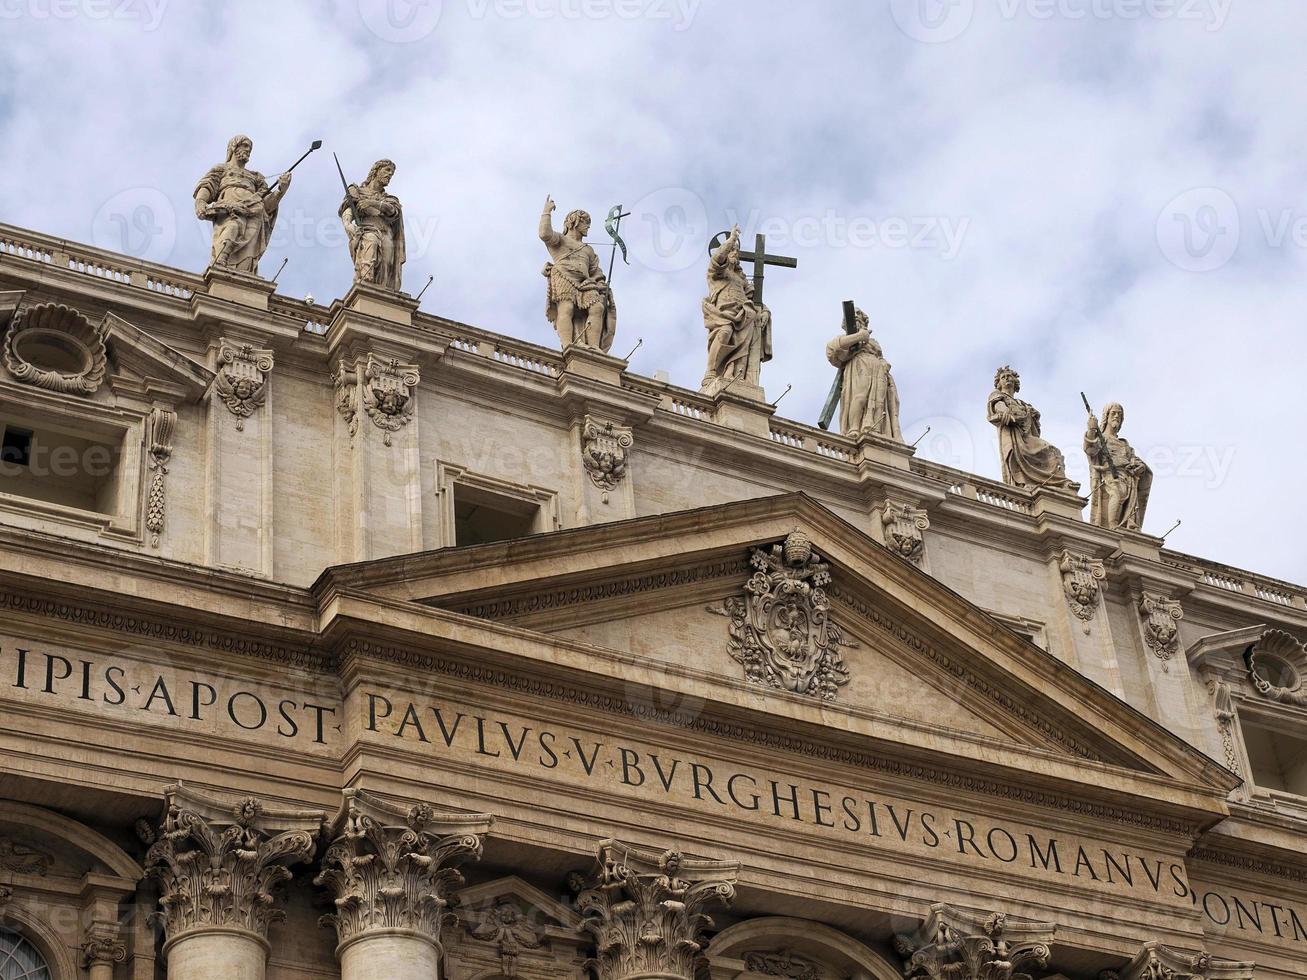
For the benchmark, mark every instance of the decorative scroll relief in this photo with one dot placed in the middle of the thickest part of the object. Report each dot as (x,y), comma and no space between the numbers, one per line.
(1080,577)
(604,448)
(158,455)
(388,393)
(1159,617)
(783,963)
(55,348)
(392,868)
(1158,962)
(23,860)
(1225,717)
(347,396)
(647,912)
(242,378)
(904,525)
(954,944)
(218,864)
(781,631)
(1277,664)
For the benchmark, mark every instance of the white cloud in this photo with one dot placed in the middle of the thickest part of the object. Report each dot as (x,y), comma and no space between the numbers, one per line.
(1050,142)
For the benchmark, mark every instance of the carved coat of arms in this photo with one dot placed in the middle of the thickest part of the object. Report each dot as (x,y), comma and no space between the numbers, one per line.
(781,631)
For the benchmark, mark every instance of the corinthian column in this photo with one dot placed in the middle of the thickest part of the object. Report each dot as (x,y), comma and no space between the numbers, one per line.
(217,865)
(390,870)
(646,911)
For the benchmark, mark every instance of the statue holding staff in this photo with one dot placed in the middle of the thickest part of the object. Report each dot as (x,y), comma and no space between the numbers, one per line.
(242,207)
(1028,461)
(739,331)
(579,302)
(1120,481)
(374,221)
(869,399)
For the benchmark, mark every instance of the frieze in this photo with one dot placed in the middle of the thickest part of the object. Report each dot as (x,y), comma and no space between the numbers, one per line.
(558,692)
(298,657)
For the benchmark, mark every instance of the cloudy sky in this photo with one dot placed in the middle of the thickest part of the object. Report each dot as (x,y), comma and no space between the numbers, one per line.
(1111,195)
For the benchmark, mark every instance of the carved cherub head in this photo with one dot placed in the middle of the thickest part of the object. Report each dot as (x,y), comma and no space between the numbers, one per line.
(244,388)
(578,221)
(381,173)
(1007,380)
(239,148)
(389,402)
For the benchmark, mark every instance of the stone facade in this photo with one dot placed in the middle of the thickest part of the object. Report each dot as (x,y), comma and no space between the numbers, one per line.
(354,641)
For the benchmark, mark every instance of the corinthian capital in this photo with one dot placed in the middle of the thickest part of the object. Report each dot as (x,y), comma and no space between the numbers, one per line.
(954,944)
(218,862)
(647,911)
(1157,962)
(391,867)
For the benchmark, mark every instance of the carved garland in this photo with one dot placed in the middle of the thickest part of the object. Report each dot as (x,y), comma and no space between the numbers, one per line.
(782,963)
(221,871)
(159,452)
(781,631)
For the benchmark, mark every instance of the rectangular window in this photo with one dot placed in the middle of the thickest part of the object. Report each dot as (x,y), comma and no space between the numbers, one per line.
(481,516)
(65,465)
(1279,761)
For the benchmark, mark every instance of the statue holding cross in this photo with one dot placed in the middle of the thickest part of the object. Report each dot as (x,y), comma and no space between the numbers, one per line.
(864,389)
(738,323)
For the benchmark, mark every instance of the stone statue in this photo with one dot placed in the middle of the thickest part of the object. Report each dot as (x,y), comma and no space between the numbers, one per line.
(869,399)
(579,302)
(1028,461)
(374,221)
(739,333)
(241,206)
(1117,500)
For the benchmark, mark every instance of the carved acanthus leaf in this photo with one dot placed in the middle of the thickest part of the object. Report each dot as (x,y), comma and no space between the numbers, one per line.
(218,864)
(647,912)
(954,944)
(1158,962)
(393,868)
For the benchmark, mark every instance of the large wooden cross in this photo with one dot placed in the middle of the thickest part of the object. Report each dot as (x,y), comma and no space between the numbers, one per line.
(760,260)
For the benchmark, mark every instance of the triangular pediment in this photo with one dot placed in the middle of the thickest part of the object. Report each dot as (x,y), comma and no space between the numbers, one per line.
(919,665)
(143,364)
